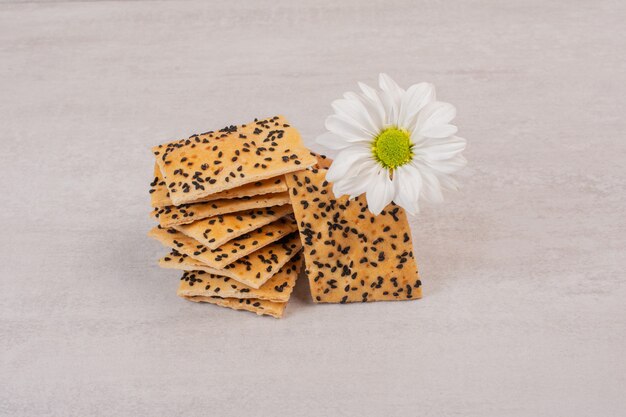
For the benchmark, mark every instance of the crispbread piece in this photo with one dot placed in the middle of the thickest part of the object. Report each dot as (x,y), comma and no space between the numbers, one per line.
(216,231)
(189,213)
(252,241)
(350,254)
(260,307)
(172,238)
(257,268)
(231,251)
(322,161)
(253,270)
(236,155)
(278,288)
(181,261)
(160,195)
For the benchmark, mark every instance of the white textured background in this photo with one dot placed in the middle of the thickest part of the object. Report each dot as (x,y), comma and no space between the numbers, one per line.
(524,270)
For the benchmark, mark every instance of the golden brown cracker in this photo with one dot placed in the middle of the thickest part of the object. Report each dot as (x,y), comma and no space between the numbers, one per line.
(253,270)
(181,261)
(278,288)
(252,241)
(212,162)
(322,161)
(350,254)
(231,251)
(160,195)
(188,213)
(260,307)
(217,230)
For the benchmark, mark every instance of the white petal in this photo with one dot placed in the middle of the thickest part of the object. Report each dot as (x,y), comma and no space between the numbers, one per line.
(346,185)
(347,130)
(377,110)
(380,191)
(332,141)
(388,84)
(354,185)
(431,189)
(407,182)
(391,97)
(391,108)
(346,159)
(447,166)
(417,140)
(356,181)
(440,131)
(439,149)
(415,98)
(434,114)
(354,111)
(362,167)
(411,207)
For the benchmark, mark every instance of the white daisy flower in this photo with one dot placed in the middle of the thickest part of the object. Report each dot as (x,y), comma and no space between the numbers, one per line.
(394,145)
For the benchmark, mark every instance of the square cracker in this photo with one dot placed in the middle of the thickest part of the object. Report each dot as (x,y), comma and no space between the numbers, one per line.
(189,213)
(182,262)
(252,241)
(229,252)
(217,230)
(350,254)
(258,267)
(236,155)
(278,288)
(322,161)
(253,270)
(160,195)
(260,307)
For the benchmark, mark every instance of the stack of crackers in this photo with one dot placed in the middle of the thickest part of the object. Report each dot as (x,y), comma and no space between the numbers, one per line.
(237,206)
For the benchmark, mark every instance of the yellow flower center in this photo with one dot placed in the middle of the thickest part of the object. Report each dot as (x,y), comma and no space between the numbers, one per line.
(392,147)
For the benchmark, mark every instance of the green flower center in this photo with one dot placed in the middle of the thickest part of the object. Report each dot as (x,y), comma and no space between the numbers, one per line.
(392,147)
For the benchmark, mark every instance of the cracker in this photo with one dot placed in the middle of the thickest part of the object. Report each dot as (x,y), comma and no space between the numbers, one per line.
(216,231)
(253,270)
(350,254)
(229,252)
(260,307)
(181,261)
(189,213)
(252,241)
(257,268)
(322,161)
(211,162)
(160,195)
(172,238)
(278,288)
